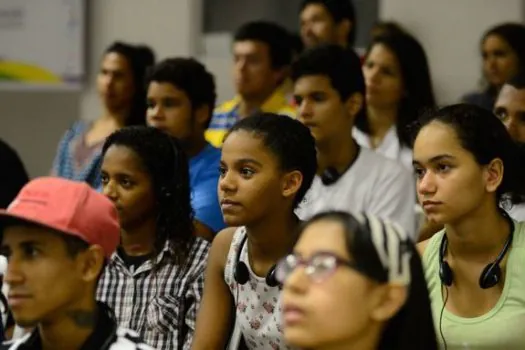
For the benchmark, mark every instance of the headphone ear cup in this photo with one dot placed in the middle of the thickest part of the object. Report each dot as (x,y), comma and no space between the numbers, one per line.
(271,279)
(330,176)
(445,273)
(241,273)
(490,276)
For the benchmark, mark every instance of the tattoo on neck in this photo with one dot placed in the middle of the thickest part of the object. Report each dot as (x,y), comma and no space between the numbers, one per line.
(83,318)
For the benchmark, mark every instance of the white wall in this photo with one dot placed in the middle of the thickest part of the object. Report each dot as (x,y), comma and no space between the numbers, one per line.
(450,31)
(33,122)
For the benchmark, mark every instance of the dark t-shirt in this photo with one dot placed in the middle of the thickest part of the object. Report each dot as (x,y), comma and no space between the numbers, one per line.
(106,336)
(13,175)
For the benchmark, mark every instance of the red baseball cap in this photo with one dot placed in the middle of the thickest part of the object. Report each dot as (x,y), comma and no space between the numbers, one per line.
(70,207)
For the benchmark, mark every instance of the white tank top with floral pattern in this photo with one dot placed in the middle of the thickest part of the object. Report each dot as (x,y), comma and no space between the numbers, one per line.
(258,307)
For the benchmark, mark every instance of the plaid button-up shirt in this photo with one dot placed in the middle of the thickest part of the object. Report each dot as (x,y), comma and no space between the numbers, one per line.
(160,306)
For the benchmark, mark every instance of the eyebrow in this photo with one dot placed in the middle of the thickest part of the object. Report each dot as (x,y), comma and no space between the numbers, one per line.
(244,161)
(118,173)
(310,93)
(29,243)
(435,159)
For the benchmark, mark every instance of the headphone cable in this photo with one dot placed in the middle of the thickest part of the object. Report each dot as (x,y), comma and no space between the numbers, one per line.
(441,319)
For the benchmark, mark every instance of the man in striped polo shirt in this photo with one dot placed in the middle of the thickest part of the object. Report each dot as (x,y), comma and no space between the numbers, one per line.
(262,53)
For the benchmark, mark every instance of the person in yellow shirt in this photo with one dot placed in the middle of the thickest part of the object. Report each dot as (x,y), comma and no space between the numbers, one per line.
(262,54)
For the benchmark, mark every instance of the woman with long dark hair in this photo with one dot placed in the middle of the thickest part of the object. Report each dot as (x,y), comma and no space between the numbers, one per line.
(468,171)
(398,88)
(355,282)
(154,280)
(121,87)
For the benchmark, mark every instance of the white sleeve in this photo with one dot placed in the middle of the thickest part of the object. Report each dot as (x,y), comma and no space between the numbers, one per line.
(395,197)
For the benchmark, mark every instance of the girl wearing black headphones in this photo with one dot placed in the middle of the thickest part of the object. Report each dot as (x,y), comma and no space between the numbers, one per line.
(468,169)
(355,282)
(268,163)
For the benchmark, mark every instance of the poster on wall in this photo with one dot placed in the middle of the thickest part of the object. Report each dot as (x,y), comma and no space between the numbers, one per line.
(42,44)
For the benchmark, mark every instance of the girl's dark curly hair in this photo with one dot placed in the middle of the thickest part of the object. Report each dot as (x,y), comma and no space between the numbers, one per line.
(166,163)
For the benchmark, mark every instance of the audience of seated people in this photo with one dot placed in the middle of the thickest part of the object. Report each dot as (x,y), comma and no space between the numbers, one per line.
(200,225)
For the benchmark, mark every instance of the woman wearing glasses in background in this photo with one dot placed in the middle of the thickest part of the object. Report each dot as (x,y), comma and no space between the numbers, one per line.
(354,290)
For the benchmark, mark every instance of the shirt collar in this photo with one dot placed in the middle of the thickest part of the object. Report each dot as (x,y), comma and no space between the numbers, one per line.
(165,253)
(273,104)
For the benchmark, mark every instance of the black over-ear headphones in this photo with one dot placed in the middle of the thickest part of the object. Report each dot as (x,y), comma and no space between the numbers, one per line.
(491,274)
(330,175)
(241,273)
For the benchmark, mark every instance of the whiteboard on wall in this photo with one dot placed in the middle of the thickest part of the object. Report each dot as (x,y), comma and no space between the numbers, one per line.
(42,44)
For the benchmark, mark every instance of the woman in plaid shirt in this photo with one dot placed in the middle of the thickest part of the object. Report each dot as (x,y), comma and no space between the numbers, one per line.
(154,281)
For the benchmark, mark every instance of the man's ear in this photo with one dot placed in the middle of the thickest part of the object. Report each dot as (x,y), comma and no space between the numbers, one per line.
(202,116)
(91,263)
(354,104)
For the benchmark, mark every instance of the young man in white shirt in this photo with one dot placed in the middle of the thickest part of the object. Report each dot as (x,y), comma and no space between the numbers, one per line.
(329,91)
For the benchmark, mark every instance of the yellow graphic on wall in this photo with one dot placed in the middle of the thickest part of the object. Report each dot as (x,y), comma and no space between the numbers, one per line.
(26,73)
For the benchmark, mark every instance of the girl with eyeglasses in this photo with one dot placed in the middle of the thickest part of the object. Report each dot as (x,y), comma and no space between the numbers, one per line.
(354,282)
(268,163)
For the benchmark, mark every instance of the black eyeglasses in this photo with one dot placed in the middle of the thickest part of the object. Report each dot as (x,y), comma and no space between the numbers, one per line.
(318,267)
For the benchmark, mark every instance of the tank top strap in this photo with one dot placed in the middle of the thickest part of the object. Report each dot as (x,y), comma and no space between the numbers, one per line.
(229,268)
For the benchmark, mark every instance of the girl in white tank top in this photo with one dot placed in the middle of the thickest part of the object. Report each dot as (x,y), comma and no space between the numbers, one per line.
(268,163)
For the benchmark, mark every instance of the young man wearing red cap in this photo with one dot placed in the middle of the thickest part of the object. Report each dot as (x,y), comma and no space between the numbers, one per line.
(57,235)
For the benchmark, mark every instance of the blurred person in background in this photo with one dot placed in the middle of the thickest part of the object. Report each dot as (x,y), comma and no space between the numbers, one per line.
(181,98)
(262,54)
(510,109)
(398,88)
(120,84)
(503,53)
(327,22)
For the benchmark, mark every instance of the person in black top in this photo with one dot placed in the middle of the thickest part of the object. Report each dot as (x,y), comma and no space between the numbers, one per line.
(14,175)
